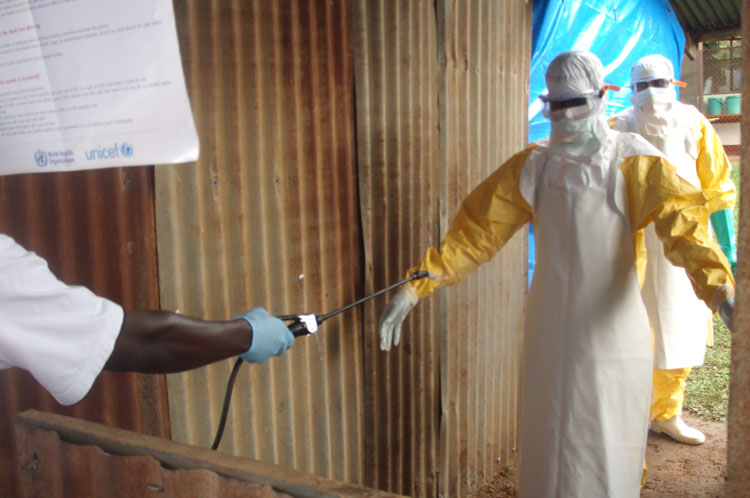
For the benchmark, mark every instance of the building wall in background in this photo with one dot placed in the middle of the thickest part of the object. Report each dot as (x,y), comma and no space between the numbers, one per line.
(728,126)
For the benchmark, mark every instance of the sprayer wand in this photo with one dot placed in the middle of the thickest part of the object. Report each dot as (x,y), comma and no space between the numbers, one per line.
(301,325)
(306,324)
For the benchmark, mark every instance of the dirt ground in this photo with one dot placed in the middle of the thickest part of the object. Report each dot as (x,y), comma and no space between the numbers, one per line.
(674,469)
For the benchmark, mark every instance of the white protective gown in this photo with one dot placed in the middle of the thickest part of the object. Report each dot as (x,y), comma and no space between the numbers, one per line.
(587,349)
(681,322)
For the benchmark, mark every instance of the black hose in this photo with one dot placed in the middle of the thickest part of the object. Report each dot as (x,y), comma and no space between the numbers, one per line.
(297,331)
(227,400)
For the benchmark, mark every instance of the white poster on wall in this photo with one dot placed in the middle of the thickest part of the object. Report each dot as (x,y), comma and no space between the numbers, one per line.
(90,84)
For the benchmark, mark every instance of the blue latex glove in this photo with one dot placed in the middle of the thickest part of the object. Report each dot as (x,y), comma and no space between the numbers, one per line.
(271,337)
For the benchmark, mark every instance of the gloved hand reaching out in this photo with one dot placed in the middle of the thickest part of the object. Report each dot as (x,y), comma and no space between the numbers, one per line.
(394,315)
(271,337)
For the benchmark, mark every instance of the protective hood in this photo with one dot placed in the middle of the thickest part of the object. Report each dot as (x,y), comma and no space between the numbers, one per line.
(651,67)
(654,107)
(574,74)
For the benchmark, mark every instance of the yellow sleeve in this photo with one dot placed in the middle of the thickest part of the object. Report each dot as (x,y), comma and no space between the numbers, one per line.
(641,256)
(485,221)
(713,169)
(656,193)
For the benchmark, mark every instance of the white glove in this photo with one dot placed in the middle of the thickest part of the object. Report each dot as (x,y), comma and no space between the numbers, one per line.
(394,314)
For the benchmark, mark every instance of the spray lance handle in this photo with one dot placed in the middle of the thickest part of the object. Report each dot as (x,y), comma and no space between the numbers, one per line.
(307,324)
(300,325)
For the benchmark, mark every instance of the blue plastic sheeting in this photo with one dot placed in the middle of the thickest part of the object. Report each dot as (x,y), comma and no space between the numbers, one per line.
(619,32)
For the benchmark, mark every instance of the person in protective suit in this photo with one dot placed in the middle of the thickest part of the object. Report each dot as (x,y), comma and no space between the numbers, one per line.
(681,323)
(587,190)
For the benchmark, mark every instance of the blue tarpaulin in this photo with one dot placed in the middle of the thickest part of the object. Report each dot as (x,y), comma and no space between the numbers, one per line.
(619,32)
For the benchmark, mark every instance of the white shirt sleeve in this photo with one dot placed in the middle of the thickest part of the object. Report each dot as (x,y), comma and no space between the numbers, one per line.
(63,335)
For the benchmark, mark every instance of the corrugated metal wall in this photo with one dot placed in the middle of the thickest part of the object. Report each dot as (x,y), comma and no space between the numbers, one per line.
(283,210)
(269,216)
(397,78)
(95,228)
(441,102)
(486,49)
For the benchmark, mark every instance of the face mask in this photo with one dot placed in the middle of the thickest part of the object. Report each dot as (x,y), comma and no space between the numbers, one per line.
(577,136)
(654,100)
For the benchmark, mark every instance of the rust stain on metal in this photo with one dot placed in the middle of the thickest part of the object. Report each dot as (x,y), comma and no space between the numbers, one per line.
(272,197)
(441,102)
(96,229)
(397,141)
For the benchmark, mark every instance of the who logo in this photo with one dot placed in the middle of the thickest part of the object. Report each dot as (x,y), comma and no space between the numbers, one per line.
(40,158)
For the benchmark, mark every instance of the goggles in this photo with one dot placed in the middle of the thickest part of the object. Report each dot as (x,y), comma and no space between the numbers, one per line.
(573,108)
(576,106)
(657,83)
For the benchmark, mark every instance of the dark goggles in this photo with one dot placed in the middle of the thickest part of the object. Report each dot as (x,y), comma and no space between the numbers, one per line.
(565,104)
(660,83)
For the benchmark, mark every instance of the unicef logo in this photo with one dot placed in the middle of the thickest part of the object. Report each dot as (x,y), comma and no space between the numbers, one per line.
(40,157)
(126,149)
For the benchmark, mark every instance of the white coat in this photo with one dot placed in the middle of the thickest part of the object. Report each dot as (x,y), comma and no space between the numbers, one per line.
(681,322)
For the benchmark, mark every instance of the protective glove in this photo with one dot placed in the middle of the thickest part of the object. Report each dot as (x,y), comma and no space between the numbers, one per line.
(723,224)
(271,337)
(394,314)
(726,312)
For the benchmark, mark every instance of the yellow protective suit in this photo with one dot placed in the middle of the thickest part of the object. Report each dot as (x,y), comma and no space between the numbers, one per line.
(681,325)
(495,210)
(587,353)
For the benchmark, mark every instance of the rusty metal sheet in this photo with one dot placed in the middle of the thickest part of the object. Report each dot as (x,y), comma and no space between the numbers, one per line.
(268,216)
(61,456)
(487,47)
(398,145)
(441,102)
(738,423)
(96,229)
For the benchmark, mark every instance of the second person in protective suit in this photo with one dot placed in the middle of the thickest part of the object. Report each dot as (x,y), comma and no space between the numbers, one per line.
(587,190)
(681,322)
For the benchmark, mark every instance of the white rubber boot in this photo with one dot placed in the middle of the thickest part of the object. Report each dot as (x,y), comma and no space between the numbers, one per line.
(678,430)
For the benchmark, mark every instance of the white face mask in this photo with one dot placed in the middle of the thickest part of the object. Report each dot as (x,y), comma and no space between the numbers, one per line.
(578,136)
(653,100)
(654,115)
